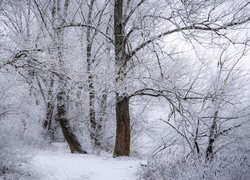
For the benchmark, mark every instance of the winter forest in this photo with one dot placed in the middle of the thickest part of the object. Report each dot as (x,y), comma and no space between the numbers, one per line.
(124,89)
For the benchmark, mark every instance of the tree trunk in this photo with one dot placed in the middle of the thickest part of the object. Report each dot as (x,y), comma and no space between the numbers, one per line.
(49,112)
(102,116)
(92,113)
(212,137)
(48,121)
(71,139)
(196,145)
(122,145)
(74,144)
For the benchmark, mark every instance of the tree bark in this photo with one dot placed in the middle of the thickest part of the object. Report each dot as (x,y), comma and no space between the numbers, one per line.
(92,113)
(122,143)
(71,139)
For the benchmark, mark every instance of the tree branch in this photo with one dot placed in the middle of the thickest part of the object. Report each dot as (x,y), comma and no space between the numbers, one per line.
(200,27)
(88,26)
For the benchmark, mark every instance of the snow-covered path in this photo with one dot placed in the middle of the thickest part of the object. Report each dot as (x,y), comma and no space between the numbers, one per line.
(65,166)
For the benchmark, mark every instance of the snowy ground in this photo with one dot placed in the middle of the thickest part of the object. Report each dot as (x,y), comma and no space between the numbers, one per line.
(51,165)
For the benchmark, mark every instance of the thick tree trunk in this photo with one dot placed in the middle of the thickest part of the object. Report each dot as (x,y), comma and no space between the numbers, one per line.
(71,139)
(122,145)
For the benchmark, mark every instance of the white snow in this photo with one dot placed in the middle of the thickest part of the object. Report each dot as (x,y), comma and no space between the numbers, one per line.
(51,165)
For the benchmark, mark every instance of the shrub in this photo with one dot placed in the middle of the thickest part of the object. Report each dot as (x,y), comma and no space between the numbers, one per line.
(193,168)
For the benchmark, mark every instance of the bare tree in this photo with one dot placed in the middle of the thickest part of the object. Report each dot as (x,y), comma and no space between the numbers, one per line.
(60,18)
(50,25)
(189,18)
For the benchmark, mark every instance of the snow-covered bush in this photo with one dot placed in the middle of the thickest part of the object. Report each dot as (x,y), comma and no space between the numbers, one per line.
(220,168)
(13,164)
(19,128)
